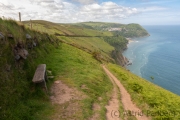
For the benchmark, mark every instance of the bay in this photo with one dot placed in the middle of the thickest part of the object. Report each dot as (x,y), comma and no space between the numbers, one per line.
(157,57)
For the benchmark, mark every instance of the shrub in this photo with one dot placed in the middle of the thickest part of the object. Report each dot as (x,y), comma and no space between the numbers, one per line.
(136,87)
(97,55)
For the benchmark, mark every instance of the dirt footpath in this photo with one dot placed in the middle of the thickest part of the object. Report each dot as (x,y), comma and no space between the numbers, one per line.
(128,105)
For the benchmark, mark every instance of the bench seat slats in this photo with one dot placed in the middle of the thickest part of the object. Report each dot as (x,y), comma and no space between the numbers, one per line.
(40,72)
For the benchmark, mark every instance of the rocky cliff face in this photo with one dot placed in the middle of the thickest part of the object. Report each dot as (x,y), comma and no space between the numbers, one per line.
(119,58)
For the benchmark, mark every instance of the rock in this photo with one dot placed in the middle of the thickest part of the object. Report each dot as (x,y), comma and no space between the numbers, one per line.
(51,77)
(17,57)
(30,46)
(23,53)
(57,82)
(28,36)
(20,53)
(10,36)
(1,36)
(49,72)
(130,63)
(19,45)
(8,67)
(34,44)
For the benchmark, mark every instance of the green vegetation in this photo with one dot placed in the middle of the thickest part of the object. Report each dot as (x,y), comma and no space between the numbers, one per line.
(77,36)
(74,53)
(155,102)
(129,30)
(119,42)
(78,68)
(132,30)
(19,98)
(101,26)
(72,65)
(64,29)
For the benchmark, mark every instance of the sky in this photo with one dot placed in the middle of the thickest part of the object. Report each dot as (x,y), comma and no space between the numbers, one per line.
(144,12)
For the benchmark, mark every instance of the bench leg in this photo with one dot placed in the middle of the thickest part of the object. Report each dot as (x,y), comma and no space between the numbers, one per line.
(46,78)
(45,86)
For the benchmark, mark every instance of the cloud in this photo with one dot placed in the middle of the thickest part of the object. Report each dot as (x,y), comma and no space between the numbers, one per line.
(51,5)
(85,1)
(106,10)
(69,12)
(9,10)
(66,11)
(41,1)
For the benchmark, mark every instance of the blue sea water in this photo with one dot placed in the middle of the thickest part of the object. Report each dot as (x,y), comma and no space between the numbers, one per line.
(157,56)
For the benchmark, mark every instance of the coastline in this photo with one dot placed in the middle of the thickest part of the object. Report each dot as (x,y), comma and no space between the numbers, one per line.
(130,40)
(127,60)
(150,57)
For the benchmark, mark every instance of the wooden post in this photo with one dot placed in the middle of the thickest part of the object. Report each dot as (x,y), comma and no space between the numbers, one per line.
(30,23)
(19,16)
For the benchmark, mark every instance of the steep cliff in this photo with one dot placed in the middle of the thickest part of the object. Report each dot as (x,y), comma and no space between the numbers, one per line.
(120,44)
(119,58)
(118,39)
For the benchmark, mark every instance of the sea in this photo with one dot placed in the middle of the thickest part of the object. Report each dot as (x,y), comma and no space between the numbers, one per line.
(157,57)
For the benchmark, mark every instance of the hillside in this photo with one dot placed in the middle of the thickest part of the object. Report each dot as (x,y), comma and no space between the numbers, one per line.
(102,44)
(74,55)
(129,30)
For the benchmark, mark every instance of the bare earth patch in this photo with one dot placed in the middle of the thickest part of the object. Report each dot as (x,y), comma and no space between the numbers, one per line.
(67,102)
(62,93)
(96,107)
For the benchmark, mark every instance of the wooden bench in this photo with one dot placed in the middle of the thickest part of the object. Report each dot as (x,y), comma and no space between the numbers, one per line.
(40,75)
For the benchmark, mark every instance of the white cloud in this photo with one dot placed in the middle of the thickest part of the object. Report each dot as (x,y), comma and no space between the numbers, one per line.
(9,10)
(106,10)
(63,11)
(50,5)
(85,1)
(41,1)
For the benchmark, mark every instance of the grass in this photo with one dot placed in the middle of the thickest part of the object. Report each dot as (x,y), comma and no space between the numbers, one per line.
(89,44)
(64,29)
(73,62)
(155,101)
(73,66)
(76,68)
(17,90)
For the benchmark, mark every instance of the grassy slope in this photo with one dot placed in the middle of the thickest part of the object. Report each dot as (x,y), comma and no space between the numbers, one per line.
(90,44)
(19,98)
(75,67)
(155,101)
(64,29)
(70,64)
